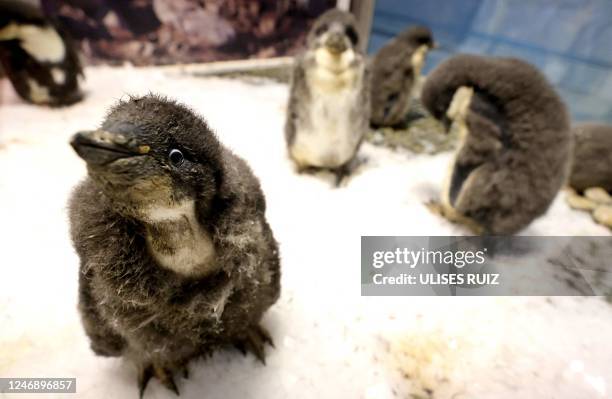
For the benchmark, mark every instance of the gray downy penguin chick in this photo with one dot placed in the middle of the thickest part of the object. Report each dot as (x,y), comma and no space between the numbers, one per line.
(328,112)
(395,69)
(514,152)
(590,181)
(177,258)
(592,159)
(38,57)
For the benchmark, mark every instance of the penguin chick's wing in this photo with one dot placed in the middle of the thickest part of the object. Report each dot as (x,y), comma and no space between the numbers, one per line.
(240,225)
(105,341)
(363,113)
(298,95)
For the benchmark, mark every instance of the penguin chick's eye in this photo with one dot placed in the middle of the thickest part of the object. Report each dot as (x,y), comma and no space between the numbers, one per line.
(176,157)
(351,33)
(320,30)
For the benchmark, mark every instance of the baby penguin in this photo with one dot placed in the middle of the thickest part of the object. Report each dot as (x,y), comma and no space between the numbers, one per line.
(591,177)
(37,56)
(515,143)
(328,112)
(395,69)
(177,258)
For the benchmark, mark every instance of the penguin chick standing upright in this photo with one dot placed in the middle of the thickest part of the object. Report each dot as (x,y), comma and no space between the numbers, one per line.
(37,56)
(514,151)
(395,69)
(591,177)
(328,110)
(177,258)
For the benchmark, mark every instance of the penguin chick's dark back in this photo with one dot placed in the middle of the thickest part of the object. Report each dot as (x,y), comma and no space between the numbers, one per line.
(516,154)
(177,258)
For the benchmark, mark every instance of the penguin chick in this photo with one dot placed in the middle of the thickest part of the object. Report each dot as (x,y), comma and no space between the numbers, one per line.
(177,258)
(513,154)
(592,159)
(38,56)
(395,69)
(328,109)
(590,181)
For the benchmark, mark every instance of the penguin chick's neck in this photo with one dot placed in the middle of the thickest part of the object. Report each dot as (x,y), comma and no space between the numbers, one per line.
(333,73)
(177,241)
(335,63)
(459,107)
(418,59)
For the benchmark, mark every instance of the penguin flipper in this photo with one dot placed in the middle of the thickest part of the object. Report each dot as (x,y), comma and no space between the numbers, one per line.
(299,93)
(103,338)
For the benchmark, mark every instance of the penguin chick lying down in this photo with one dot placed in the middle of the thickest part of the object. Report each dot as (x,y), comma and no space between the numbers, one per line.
(328,112)
(590,182)
(177,258)
(38,56)
(515,142)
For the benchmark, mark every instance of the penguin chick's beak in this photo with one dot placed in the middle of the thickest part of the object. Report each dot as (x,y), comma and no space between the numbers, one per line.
(100,147)
(335,43)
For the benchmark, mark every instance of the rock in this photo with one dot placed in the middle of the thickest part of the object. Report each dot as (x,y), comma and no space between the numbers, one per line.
(603,215)
(598,194)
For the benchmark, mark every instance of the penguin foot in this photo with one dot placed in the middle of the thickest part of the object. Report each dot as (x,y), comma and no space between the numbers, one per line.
(254,341)
(306,169)
(340,175)
(453,216)
(163,374)
(185,372)
(344,171)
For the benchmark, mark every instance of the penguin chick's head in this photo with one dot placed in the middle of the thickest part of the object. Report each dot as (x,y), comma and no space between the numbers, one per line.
(335,32)
(151,152)
(418,36)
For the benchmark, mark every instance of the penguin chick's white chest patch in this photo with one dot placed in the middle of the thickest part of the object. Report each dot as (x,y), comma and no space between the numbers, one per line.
(329,136)
(178,242)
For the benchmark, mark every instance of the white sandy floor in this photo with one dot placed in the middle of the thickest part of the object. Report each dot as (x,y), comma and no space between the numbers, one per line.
(330,341)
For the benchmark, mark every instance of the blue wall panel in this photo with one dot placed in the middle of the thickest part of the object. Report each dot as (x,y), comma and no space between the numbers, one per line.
(569,40)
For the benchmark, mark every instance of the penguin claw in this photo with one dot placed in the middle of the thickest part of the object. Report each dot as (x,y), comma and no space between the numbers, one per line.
(144,376)
(163,374)
(346,170)
(254,342)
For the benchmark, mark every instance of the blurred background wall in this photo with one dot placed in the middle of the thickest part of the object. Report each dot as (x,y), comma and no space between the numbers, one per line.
(570,40)
(146,32)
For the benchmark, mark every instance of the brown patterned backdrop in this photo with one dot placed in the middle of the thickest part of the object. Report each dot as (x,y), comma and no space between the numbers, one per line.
(180,31)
